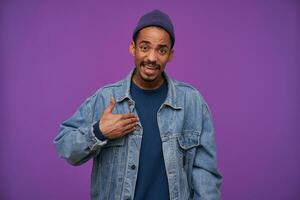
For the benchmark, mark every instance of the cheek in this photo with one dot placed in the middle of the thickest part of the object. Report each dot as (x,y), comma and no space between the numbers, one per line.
(163,61)
(139,58)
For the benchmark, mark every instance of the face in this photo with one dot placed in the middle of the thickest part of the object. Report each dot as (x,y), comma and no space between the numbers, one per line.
(151,52)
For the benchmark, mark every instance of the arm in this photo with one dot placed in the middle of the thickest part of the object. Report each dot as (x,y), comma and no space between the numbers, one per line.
(76,141)
(206,179)
(80,137)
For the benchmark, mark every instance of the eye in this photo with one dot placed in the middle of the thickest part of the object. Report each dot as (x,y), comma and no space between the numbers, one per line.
(163,51)
(144,48)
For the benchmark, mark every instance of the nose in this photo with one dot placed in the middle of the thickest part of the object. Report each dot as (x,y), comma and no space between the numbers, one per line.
(152,57)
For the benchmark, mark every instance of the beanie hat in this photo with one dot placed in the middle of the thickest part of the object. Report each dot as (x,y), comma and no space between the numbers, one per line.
(156,18)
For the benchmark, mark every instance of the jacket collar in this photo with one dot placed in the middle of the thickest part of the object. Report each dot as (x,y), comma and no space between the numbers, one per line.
(170,100)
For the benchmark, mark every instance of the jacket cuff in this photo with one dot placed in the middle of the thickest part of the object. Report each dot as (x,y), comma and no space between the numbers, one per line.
(98,132)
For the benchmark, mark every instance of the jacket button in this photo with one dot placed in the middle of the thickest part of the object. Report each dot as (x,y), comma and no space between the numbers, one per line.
(133,167)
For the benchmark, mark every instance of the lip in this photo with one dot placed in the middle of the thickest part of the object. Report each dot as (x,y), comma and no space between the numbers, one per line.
(150,70)
(150,67)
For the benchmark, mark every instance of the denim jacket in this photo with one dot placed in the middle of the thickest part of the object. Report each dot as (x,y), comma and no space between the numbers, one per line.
(187,137)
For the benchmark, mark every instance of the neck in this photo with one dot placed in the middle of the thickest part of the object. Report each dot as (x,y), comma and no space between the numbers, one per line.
(151,85)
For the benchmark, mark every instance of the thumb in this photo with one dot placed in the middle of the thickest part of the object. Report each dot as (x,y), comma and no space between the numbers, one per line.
(111,105)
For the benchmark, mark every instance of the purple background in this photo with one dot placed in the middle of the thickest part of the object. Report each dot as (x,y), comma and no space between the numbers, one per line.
(242,55)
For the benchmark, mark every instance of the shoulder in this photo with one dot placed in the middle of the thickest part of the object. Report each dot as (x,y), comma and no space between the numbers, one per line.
(191,96)
(187,90)
(111,87)
(105,91)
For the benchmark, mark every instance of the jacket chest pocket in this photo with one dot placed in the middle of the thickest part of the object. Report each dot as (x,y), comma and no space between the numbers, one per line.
(111,173)
(113,152)
(188,141)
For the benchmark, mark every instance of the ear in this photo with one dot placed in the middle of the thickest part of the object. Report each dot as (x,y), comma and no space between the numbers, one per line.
(171,55)
(132,48)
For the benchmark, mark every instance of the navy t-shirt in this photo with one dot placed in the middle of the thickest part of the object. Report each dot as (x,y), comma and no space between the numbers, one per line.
(152,182)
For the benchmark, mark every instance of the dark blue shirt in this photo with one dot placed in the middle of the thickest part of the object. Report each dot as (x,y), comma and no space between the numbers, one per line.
(152,180)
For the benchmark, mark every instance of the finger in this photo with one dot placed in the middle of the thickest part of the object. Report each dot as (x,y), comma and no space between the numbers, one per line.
(111,105)
(128,116)
(129,130)
(128,121)
(130,126)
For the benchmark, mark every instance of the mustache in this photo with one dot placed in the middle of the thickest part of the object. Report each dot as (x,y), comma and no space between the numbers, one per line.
(149,63)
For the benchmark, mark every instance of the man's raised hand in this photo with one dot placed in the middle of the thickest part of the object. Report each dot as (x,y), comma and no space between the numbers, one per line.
(116,125)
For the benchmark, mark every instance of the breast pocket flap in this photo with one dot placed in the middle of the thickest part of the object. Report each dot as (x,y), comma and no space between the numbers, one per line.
(189,139)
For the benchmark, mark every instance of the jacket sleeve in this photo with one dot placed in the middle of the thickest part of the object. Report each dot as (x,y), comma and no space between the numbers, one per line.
(206,180)
(76,141)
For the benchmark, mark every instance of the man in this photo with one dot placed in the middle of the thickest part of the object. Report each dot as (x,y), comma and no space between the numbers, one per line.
(150,137)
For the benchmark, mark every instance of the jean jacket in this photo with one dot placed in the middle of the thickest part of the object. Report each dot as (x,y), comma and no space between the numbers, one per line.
(187,136)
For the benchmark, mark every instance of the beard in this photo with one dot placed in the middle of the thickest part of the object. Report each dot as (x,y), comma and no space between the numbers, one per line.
(149,71)
(147,79)
(150,64)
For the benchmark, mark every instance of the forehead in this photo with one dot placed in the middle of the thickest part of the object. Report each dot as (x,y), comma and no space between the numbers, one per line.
(155,36)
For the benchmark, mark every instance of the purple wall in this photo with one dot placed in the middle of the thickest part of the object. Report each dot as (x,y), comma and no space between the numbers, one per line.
(242,56)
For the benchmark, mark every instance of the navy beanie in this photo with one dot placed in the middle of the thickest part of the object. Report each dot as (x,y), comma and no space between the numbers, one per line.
(156,18)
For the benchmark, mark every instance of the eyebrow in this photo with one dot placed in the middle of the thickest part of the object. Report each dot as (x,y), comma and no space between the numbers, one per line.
(145,41)
(160,45)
